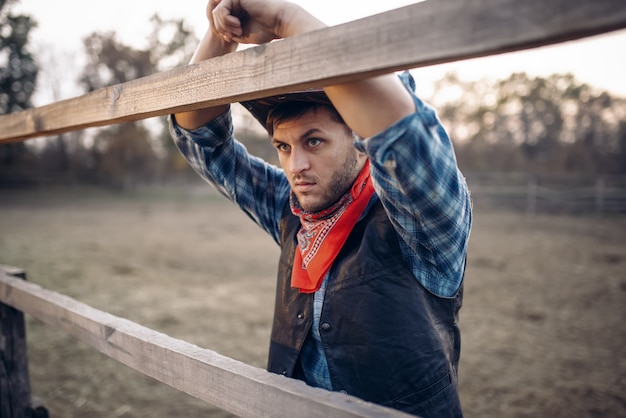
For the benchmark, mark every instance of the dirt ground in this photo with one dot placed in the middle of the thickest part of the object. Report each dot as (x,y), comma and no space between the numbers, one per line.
(542,322)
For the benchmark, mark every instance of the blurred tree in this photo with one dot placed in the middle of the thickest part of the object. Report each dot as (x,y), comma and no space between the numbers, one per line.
(170,43)
(128,159)
(58,154)
(552,124)
(18,73)
(596,126)
(123,150)
(110,62)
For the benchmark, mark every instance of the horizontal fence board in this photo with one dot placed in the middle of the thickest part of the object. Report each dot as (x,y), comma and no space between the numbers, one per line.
(422,34)
(234,386)
(550,194)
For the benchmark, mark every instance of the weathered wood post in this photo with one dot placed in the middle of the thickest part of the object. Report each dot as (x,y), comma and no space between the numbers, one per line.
(15,399)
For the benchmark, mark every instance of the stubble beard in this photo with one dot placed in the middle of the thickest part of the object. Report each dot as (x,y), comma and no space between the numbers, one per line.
(341,181)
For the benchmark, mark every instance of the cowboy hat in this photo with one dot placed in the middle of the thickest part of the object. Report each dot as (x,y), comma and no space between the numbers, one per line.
(261,108)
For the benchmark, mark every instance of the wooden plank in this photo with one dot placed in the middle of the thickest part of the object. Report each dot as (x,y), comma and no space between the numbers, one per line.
(422,34)
(234,386)
(14,378)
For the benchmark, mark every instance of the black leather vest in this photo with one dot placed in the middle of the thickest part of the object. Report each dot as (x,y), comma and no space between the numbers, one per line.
(387,339)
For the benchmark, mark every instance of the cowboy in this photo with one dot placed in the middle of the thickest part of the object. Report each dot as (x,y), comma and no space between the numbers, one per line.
(370,211)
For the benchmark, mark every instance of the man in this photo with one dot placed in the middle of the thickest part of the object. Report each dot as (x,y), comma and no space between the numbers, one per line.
(370,211)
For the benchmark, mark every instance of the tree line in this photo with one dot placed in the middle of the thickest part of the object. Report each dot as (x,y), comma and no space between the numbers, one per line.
(522,124)
(537,125)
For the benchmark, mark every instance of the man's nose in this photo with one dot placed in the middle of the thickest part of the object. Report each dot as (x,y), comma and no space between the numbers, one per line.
(298,161)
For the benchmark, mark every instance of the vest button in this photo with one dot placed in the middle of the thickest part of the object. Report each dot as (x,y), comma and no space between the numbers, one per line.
(325,326)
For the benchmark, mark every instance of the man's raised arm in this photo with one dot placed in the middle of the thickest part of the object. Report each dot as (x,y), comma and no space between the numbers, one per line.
(212,45)
(368,106)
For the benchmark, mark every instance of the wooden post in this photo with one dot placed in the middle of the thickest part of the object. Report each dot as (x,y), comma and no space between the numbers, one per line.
(15,401)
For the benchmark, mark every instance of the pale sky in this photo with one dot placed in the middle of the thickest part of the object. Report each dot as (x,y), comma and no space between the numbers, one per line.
(62,24)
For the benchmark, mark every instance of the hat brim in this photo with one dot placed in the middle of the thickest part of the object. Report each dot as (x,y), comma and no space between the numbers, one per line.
(261,108)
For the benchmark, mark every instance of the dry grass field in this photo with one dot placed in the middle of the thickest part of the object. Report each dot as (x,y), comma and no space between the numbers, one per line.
(542,321)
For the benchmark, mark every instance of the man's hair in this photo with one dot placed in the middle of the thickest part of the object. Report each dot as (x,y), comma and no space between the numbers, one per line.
(293,110)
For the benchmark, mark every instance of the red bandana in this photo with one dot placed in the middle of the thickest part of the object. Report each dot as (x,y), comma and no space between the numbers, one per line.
(323,233)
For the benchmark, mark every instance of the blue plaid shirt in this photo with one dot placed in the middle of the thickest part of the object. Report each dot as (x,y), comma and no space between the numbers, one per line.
(415,176)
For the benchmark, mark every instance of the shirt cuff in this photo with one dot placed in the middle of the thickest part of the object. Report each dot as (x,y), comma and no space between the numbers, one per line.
(214,133)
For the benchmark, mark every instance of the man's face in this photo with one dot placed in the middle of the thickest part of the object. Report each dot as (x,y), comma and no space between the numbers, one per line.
(318,156)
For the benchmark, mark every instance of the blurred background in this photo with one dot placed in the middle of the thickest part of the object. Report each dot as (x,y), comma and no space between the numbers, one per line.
(114,216)
(548,122)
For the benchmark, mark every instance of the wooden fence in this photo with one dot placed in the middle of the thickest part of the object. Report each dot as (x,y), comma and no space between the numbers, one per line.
(422,34)
(601,195)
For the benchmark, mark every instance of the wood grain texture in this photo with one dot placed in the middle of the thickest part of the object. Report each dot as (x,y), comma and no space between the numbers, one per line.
(422,34)
(234,386)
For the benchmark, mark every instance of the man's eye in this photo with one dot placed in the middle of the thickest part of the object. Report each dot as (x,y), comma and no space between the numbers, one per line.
(282,147)
(314,142)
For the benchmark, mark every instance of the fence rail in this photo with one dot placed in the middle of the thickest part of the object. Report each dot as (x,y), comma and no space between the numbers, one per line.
(234,386)
(601,195)
(422,34)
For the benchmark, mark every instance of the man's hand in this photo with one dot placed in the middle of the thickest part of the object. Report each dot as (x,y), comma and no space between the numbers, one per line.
(258,21)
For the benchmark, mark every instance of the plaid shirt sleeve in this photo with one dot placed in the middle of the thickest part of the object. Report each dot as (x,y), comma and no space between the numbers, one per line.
(257,187)
(416,177)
